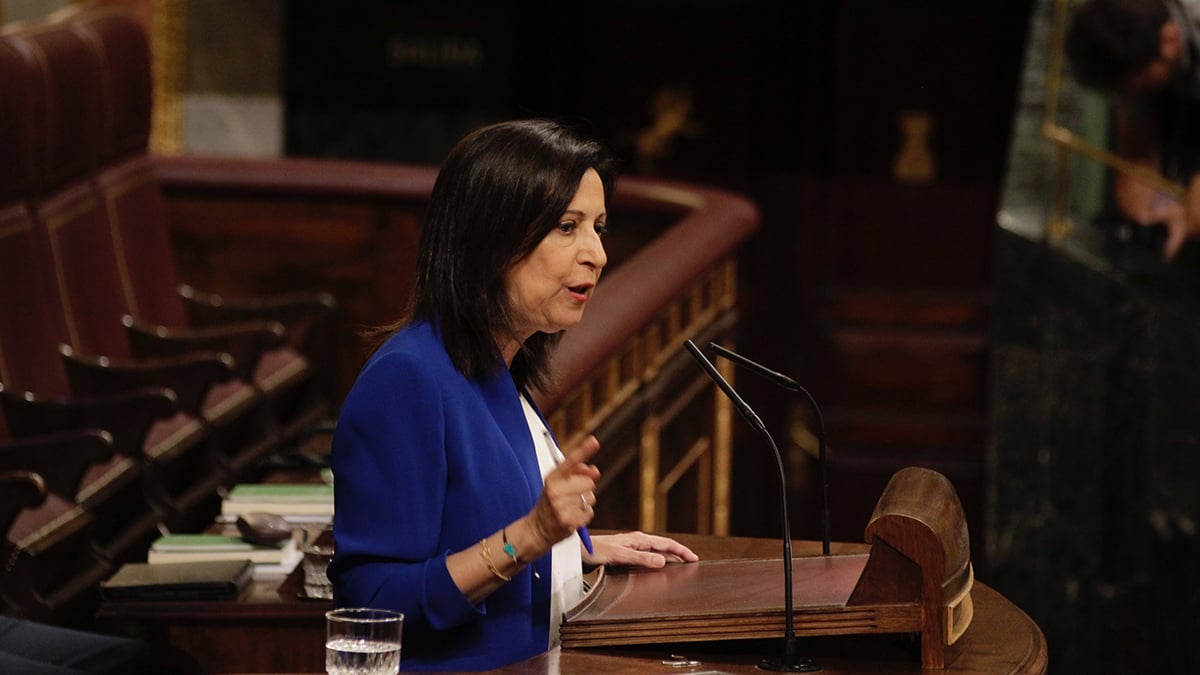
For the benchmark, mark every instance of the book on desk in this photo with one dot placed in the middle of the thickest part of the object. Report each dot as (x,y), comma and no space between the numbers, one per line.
(278,558)
(296,502)
(202,580)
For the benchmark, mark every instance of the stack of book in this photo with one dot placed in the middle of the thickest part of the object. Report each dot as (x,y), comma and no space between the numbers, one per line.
(296,502)
(279,558)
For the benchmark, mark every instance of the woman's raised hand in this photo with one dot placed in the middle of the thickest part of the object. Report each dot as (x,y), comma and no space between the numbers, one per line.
(568,495)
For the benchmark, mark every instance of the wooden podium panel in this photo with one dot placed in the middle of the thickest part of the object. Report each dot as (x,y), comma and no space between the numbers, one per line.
(916,578)
(722,600)
(1002,640)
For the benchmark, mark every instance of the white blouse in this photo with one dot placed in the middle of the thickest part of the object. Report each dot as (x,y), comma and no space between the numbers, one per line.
(566,575)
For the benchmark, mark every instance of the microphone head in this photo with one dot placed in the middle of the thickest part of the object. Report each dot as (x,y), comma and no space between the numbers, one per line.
(742,407)
(759,369)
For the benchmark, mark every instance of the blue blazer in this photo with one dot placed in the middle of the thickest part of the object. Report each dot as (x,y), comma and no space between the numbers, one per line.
(426,463)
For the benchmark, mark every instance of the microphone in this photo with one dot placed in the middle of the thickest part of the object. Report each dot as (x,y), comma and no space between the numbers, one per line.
(788,383)
(791,661)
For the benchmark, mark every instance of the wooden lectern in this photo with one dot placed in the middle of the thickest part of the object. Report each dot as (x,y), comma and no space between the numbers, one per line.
(915,578)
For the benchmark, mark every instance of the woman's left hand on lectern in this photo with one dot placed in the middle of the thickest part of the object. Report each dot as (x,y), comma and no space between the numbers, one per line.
(637,549)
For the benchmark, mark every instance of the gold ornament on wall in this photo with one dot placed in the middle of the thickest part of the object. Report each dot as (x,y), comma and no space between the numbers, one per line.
(671,117)
(915,162)
(168,47)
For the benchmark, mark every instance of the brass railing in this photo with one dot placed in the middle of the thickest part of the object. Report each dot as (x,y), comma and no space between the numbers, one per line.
(640,360)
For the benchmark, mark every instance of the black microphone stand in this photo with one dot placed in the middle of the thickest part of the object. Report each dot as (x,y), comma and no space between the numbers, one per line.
(790,661)
(788,383)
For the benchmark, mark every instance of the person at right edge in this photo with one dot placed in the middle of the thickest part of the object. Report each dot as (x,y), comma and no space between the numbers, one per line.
(1145,55)
(453,503)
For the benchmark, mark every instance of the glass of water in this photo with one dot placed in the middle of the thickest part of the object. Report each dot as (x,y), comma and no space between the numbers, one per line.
(316,581)
(362,641)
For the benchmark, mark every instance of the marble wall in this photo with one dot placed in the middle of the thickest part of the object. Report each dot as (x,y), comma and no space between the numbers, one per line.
(1094,448)
(28,10)
(232,102)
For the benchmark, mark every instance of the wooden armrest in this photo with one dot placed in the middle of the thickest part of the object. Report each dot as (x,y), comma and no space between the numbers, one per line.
(60,459)
(19,490)
(25,488)
(303,314)
(126,415)
(245,341)
(189,376)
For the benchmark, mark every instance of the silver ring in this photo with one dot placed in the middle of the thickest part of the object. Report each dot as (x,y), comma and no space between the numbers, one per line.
(583,500)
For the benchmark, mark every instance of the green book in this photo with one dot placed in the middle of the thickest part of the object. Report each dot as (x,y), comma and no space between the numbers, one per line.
(198,547)
(281,492)
(207,542)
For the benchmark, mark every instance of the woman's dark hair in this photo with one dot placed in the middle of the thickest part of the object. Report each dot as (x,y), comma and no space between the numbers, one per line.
(499,192)
(1108,41)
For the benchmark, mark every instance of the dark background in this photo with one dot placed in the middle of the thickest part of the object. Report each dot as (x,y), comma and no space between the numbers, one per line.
(873,293)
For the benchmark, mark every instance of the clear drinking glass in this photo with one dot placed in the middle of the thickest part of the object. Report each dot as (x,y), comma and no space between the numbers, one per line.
(362,641)
(316,581)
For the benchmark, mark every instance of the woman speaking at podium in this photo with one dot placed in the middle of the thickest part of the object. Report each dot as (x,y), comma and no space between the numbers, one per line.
(454,504)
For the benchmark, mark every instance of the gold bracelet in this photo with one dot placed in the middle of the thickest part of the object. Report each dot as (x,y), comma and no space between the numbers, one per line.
(486,552)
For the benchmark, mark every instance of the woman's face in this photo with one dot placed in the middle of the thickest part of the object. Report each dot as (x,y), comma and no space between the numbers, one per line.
(549,287)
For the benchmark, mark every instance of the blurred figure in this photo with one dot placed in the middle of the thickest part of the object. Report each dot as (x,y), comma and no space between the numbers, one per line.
(1144,54)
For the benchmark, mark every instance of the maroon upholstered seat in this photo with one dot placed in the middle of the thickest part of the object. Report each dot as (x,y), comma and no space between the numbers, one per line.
(96,334)
(162,452)
(112,487)
(288,372)
(77,253)
(16,114)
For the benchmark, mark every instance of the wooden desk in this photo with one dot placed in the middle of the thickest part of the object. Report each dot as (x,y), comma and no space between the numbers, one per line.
(270,629)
